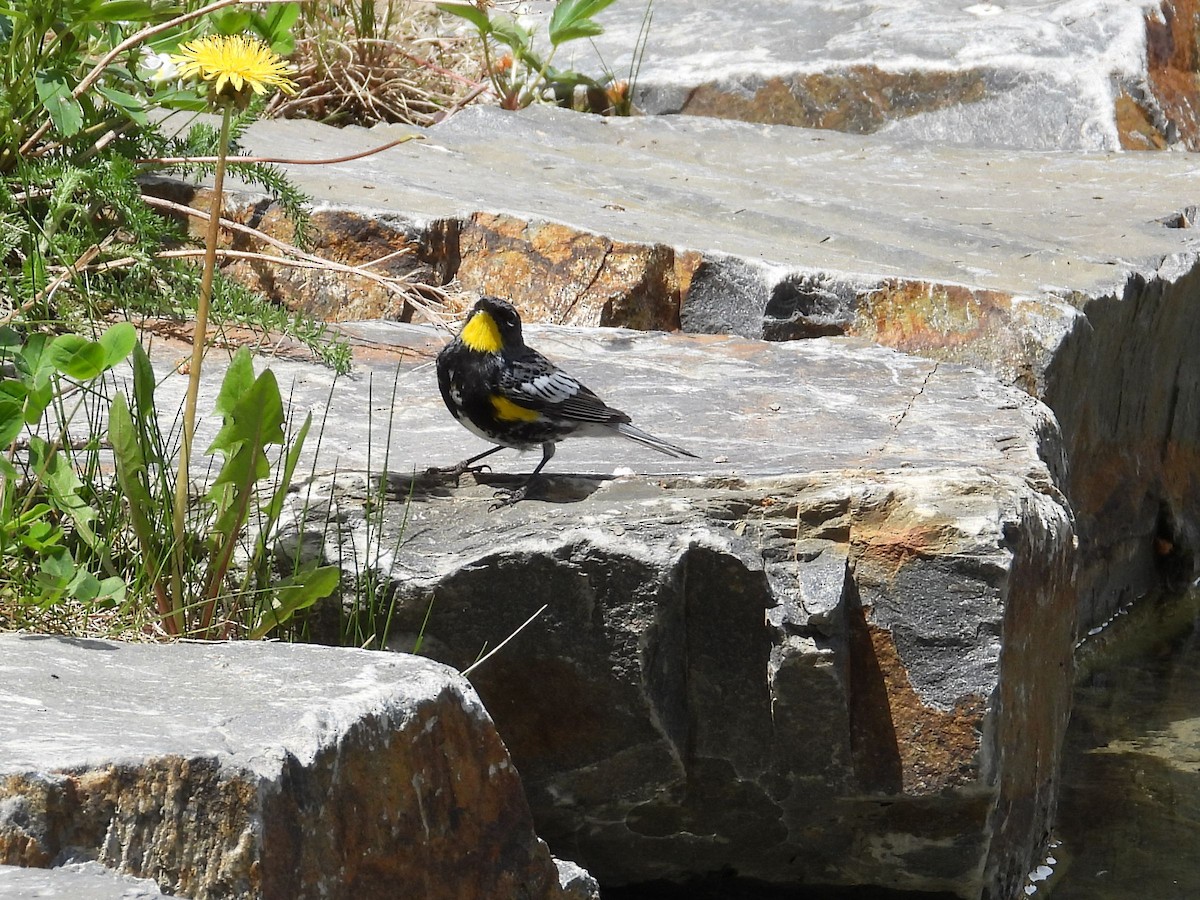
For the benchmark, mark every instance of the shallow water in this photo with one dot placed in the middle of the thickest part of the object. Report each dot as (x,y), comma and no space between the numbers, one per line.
(1129,814)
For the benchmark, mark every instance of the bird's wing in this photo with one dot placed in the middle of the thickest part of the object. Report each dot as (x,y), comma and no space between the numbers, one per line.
(536,383)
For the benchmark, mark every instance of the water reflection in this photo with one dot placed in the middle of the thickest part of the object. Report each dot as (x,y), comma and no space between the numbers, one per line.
(1129,816)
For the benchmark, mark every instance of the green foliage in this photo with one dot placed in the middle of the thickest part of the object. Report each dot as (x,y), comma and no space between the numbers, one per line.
(526,75)
(78,244)
(248,489)
(42,561)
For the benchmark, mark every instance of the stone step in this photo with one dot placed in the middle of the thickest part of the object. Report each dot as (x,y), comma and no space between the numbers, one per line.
(1071,275)
(1066,75)
(252,770)
(830,637)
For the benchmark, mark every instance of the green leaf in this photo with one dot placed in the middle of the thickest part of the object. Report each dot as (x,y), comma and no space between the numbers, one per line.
(10,340)
(292,594)
(12,415)
(239,378)
(34,361)
(508,31)
(472,14)
(64,486)
(55,94)
(113,589)
(231,21)
(275,27)
(134,107)
(40,536)
(118,342)
(77,357)
(123,11)
(284,481)
(131,475)
(36,402)
(84,586)
(59,568)
(251,422)
(572,19)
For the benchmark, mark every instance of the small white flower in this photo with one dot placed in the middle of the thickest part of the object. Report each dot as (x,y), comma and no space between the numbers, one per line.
(159,66)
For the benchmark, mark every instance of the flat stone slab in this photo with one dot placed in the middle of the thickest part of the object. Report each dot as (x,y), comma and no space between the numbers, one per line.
(1067,274)
(75,881)
(853,593)
(1065,75)
(252,769)
(1024,223)
(746,408)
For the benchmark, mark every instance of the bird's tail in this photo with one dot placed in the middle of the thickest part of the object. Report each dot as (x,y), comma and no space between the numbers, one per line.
(643,437)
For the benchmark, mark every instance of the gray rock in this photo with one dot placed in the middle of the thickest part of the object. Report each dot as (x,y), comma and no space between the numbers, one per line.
(834,650)
(1022,74)
(74,881)
(260,770)
(1069,275)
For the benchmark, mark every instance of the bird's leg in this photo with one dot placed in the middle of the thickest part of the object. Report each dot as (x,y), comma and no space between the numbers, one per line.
(508,498)
(457,471)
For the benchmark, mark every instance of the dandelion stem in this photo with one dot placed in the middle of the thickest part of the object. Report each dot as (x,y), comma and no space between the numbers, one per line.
(199,340)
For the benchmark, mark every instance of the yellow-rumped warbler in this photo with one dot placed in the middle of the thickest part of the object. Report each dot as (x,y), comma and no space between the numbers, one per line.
(512,396)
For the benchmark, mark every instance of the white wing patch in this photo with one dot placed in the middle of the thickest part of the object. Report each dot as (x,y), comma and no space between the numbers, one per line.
(553,387)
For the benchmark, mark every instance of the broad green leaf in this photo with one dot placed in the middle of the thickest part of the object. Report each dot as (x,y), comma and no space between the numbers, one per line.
(64,485)
(118,343)
(472,14)
(10,340)
(284,479)
(12,418)
(77,357)
(508,31)
(34,361)
(239,377)
(572,19)
(131,475)
(295,593)
(124,11)
(113,588)
(84,586)
(59,568)
(281,17)
(254,421)
(275,27)
(36,402)
(134,107)
(231,21)
(55,94)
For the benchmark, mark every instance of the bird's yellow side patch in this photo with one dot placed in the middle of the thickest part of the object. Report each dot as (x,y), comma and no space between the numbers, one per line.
(507,411)
(482,334)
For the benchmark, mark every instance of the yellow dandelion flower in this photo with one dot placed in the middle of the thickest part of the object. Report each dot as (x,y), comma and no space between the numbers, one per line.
(235,61)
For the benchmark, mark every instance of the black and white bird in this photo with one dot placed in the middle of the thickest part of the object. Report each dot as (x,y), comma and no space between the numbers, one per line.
(511,395)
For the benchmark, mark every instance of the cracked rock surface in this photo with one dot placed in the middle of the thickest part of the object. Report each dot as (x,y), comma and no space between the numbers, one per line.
(835,650)
(252,770)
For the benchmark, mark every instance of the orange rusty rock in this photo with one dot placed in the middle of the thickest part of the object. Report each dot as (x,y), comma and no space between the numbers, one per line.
(1135,127)
(918,315)
(899,744)
(1171,62)
(949,322)
(555,273)
(859,99)
(936,749)
(338,235)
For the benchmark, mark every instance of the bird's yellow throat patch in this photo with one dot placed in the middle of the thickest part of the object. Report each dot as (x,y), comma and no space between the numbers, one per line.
(507,411)
(482,334)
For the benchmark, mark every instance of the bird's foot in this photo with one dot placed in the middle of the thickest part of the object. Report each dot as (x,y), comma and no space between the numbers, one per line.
(506,497)
(457,471)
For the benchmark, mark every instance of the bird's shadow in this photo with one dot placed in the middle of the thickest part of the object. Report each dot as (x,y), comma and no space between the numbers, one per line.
(440,483)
